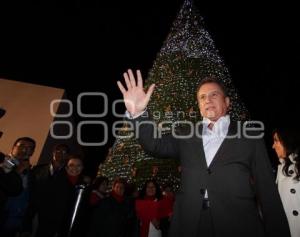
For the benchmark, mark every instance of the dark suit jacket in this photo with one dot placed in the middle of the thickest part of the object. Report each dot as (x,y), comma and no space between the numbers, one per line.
(113,219)
(40,177)
(10,185)
(238,178)
(56,205)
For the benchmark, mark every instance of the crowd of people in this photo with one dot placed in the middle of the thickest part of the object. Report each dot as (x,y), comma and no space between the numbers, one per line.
(44,200)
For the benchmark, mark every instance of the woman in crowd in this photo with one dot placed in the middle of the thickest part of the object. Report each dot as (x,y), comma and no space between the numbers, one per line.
(99,190)
(151,209)
(286,146)
(57,203)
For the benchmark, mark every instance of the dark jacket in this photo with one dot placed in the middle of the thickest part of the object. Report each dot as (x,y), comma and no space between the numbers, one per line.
(113,219)
(56,205)
(10,185)
(239,175)
(41,178)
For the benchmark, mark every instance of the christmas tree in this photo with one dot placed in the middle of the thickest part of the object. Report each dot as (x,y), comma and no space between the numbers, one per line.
(187,56)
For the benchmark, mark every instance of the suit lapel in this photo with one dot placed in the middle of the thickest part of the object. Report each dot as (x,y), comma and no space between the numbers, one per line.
(225,146)
(202,153)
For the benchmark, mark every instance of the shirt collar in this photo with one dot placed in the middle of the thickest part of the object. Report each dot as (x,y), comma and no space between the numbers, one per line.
(292,157)
(220,126)
(224,120)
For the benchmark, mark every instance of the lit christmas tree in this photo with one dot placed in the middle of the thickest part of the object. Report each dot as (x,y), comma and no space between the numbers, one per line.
(188,55)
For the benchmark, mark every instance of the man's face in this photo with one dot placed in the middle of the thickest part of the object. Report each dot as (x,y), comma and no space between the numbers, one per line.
(23,150)
(60,155)
(212,102)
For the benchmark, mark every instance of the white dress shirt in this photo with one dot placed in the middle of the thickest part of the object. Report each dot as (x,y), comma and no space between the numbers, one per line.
(213,138)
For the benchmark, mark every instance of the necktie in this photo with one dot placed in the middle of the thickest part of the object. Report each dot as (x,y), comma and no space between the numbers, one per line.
(210,126)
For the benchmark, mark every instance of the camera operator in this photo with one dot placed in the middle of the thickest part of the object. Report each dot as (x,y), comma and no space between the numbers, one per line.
(15,207)
(10,182)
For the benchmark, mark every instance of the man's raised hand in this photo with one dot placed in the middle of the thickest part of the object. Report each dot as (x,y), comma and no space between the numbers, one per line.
(135,98)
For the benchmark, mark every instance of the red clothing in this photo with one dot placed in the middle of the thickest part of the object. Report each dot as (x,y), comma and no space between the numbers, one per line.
(94,198)
(117,197)
(149,209)
(167,206)
(73,179)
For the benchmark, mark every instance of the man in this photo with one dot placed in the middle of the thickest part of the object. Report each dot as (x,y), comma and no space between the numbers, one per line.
(40,176)
(15,207)
(10,183)
(224,177)
(59,159)
(22,150)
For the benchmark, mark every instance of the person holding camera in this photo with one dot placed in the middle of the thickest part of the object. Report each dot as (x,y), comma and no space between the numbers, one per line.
(15,207)
(10,182)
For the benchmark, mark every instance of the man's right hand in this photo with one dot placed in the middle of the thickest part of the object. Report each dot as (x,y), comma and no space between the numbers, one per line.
(135,98)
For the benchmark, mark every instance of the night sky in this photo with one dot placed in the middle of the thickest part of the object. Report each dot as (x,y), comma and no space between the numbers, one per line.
(85,46)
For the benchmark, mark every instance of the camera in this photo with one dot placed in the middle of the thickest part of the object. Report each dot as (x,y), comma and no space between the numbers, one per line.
(6,163)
